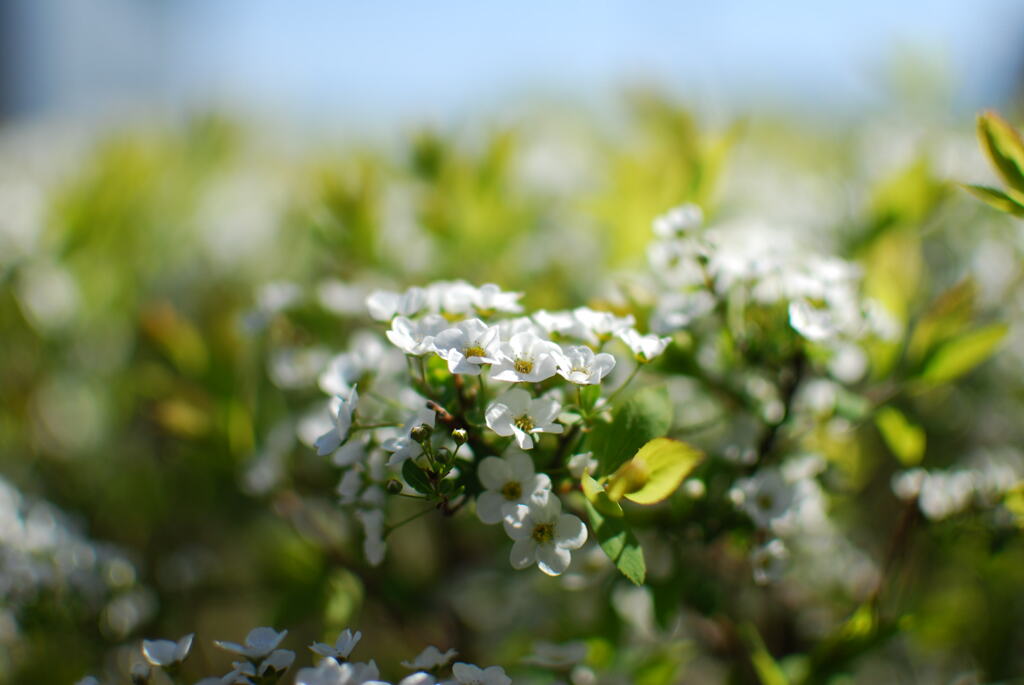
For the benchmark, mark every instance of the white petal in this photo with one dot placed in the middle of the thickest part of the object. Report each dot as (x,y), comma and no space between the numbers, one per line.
(520,467)
(328,442)
(524,440)
(489,507)
(570,532)
(524,552)
(553,560)
(494,473)
(517,521)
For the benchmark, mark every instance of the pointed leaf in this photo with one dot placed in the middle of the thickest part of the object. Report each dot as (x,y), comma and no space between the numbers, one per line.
(961,354)
(619,543)
(645,416)
(1004,147)
(655,472)
(905,439)
(596,495)
(997,199)
(416,477)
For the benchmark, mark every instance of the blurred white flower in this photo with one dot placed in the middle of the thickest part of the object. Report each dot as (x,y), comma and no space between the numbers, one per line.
(644,347)
(678,221)
(769,561)
(330,672)
(468,674)
(341,409)
(383,305)
(489,298)
(556,656)
(582,463)
(343,646)
(167,652)
(416,337)
(374,546)
(430,658)
(259,643)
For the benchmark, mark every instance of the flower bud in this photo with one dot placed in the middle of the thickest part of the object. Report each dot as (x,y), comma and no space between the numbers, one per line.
(393,486)
(421,433)
(460,436)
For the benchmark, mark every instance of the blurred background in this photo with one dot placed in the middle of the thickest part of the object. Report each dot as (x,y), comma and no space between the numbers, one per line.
(195,197)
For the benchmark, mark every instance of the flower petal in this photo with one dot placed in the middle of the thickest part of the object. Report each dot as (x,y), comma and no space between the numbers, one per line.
(494,472)
(570,532)
(553,560)
(524,552)
(489,507)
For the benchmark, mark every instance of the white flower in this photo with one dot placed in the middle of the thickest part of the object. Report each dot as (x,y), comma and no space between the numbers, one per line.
(578,364)
(367,353)
(430,658)
(416,337)
(543,534)
(644,347)
(260,642)
(467,345)
(420,678)
(563,323)
(330,672)
(507,482)
(468,674)
(767,497)
(384,305)
(516,413)
(490,298)
(374,546)
(167,652)
(454,297)
(343,646)
(526,358)
(279,661)
(341,408)
(551,655)
(597,326)
(582,463)
(678,221)
(769,561)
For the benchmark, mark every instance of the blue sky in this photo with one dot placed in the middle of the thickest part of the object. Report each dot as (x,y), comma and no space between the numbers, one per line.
(385,59)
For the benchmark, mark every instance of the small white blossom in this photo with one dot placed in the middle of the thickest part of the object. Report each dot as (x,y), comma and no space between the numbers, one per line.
(767,497)
(490,298)
(644,347)
(582,463)
(578,364)
(167,652)
(597,326)
(678,221)
(430,659)
(330,672)
(260,642)
(551,655)
(374,546)
(467,345)
(383,305)
(542,534)
(507,482)
(403,446)
(468,674)
(516,413)
(341,409)
(343,646)
(769,561)
(416,337)
(526,358)
(279,661)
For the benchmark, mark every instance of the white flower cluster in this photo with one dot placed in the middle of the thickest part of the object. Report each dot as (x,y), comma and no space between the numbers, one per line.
(263,661)
(699,266)
(943,493)
(531,514)
(43,555)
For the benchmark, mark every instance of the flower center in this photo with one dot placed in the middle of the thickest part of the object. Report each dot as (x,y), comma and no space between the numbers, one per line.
(765,501)
(523,365)
(543,532)
(512,490)
(474,351)
(580,369)
(524,423)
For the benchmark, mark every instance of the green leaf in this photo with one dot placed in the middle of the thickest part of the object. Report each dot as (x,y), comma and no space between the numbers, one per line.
(645,416)
(961,354)
(416,477)
(997,199)
(905,439)
(768,670)
(1004,147)
(619,543)
(596,495)
(947,316)
(654,472)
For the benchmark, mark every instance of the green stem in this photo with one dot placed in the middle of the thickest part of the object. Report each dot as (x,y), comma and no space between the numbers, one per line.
(636,370)
(391,529)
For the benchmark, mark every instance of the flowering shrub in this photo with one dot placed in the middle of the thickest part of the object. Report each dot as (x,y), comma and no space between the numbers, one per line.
(735,442)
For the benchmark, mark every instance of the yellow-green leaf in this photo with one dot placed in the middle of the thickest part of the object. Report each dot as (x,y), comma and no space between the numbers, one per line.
(961,354)
(654,472)
(996,198)
(1004,147)
(905,439)
(596,495)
